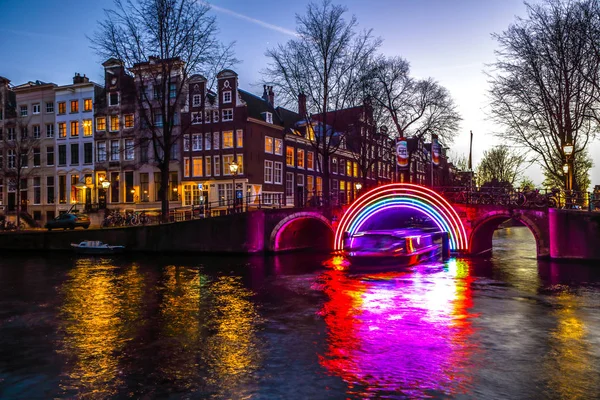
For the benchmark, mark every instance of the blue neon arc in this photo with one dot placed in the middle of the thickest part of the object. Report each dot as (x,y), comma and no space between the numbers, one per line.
(372,210)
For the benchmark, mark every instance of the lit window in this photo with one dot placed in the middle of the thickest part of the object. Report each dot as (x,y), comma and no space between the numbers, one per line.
(62,107)
(128,120)
(268,144)
(300,158)
(227,160)
(227,96)
(74,106)
(197,166)
(279,147)
(228,140)
(239,139)
(186,167)
(87,127)
(349,168)
(240,163)
(62,129)
(114,123)
(310,160)
(228,114)
(87,105)
(101,123)
(208,166)
(289,156)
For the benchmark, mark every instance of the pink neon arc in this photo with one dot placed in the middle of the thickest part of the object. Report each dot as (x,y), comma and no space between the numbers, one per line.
(425,195)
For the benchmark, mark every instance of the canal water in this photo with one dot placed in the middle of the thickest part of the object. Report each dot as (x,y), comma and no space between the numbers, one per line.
(296,327)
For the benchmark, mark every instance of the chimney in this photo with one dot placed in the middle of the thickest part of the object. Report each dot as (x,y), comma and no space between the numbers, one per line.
(77,78)
(302,105)
(85,79)
(271,96)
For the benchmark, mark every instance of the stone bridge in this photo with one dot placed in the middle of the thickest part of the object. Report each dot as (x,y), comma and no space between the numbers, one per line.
(559,234)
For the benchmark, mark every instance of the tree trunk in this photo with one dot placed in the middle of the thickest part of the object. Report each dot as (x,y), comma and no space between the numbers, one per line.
(18,196)
(164,192)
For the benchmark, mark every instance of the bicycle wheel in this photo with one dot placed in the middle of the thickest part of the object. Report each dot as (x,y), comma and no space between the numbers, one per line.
(519,199)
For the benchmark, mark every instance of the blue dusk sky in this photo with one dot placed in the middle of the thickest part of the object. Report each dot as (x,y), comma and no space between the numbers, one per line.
(449,40)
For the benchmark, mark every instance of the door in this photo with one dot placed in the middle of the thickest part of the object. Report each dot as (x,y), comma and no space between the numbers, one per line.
(12,202)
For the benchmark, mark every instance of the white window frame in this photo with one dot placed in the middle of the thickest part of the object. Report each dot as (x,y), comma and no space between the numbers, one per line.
(232,140)
(278,173)
(36,108)
(310,156)
(227,114)
(239,138)
(268,167)
(208,166)
(268,117)
(197,142)
(278,142)
(196,100)
(217,165)
(101,156)
(227,96)
(201,166)
(186,167)
(186,143)
(49,107)
(129,149)
(272,145)
(115,156)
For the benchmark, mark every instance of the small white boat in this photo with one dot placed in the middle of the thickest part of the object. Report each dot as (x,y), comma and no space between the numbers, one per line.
(96,247)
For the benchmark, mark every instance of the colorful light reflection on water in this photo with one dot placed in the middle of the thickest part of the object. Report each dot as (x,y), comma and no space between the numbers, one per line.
(402,332)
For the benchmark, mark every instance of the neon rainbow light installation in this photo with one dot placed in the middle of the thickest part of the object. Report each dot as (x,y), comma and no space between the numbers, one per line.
(408,196)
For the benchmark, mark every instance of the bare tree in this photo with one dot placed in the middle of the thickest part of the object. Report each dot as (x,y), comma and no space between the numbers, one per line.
(19,146)
(415,107)
(460,161)
(542,92)
(163,42)
(325,62)
(500,165)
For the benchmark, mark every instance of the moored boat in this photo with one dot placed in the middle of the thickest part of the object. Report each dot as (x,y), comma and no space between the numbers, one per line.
(398,248)
(96,247)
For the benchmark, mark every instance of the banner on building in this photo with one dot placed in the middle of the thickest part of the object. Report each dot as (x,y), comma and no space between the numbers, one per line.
(402,153)
(435,150)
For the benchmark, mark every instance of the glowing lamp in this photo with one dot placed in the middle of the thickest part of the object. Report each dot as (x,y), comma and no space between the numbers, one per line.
(568,149)
(358,186)
(105,184)
(233,168)
(566,168)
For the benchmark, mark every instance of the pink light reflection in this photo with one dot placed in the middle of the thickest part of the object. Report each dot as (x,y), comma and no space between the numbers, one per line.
(395,332)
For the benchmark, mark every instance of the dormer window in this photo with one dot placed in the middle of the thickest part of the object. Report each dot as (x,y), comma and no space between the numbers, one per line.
(227,96)
(269,117)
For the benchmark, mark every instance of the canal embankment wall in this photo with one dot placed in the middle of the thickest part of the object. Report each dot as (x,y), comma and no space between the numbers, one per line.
(237,233)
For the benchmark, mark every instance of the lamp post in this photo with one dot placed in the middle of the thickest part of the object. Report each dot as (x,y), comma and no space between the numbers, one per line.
(233,168)
(358,186)
(568,170)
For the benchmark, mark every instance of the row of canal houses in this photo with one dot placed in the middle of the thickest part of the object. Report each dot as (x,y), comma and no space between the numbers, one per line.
(86,147)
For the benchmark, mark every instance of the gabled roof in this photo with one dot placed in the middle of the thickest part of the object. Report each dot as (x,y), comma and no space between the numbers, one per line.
(257,106)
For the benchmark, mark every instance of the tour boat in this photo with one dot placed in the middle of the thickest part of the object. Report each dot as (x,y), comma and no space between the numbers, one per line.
(94,247)
(402,247)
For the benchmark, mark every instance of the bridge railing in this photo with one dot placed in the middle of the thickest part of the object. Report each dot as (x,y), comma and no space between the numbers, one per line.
(533,198)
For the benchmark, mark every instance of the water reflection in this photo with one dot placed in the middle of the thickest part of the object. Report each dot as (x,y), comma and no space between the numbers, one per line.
(96,306)
(406,332)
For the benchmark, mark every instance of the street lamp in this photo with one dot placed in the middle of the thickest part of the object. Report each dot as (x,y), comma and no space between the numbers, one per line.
(358,186)
(566,168)
(568,149)
(105,185)
(233,168)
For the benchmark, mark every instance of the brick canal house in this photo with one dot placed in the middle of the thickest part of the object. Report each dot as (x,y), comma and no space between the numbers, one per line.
(125,159)
(278,163)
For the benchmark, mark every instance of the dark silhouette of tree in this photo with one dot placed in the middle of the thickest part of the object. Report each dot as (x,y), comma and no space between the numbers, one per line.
(163,42)
(325,62)
(18,146)
(544,89)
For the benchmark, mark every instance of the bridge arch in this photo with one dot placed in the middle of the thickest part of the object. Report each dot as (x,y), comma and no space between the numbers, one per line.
(403,195)
(302,229)
(480,240)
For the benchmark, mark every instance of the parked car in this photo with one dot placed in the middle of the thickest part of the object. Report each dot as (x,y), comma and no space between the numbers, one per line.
(69,221)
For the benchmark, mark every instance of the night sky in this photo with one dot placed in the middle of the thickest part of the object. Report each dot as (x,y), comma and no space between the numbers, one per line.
(447,40)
